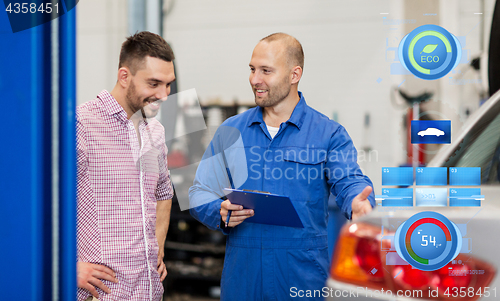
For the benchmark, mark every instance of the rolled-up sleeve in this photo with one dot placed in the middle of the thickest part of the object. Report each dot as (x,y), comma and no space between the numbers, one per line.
(164,190)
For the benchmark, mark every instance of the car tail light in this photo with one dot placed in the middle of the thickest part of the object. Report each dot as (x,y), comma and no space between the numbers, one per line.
(368,258)
(447,281)
(407,277)
(360,259)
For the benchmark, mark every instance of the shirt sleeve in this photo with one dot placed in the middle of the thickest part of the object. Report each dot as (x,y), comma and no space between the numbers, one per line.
(164,189)
(87,224)
(343,172)
(207,192)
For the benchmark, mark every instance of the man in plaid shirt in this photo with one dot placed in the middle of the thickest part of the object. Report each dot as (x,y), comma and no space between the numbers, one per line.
(124,188)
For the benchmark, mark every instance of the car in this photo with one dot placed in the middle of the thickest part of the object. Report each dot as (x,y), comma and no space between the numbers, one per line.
(360,269)
(431,132)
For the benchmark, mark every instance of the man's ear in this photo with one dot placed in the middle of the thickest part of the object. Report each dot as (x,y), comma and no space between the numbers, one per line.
(296,75)
(124,76)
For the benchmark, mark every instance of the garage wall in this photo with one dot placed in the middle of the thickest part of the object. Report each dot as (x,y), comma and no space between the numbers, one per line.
(101,29)
(349,48)
(344,44)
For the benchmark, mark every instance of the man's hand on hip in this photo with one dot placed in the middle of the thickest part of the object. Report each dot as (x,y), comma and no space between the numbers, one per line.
(360,204)
(238,214)
(89,275)
(162,269)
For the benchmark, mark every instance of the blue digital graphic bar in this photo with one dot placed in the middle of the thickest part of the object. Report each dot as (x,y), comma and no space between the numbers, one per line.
(465,197)
(431,176)
(397,176)
(434,197)
(397,197)
(430,131)
(465,176)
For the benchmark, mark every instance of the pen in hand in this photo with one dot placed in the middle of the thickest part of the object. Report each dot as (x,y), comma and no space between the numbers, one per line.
(233,214)
(228,217)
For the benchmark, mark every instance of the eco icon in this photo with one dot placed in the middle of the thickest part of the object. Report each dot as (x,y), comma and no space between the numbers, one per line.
(429,52)
(429,48)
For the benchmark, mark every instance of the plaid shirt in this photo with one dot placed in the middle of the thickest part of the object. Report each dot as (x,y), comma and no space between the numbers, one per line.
(119,182)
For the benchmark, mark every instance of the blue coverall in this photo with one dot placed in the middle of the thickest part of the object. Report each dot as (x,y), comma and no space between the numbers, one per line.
(310,157)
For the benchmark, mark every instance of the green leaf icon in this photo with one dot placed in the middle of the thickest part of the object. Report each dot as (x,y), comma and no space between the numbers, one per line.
(429,48)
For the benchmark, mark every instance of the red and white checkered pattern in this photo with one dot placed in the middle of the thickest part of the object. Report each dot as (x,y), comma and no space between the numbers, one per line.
(112,229)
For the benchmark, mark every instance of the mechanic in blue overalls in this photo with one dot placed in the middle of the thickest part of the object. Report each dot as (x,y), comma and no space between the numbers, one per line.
(285,147)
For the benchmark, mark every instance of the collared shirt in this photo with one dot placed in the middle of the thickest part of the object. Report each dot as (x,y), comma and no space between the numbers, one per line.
(119,182)
(310,157)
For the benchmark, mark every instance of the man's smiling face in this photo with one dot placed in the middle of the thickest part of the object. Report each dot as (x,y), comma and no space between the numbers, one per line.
(150,86)
(270,74)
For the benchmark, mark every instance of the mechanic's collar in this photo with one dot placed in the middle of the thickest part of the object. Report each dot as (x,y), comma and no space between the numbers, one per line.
(296,119)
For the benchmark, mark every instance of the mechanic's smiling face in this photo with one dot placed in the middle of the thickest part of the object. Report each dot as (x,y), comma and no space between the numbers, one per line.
(270,74)
(149,87)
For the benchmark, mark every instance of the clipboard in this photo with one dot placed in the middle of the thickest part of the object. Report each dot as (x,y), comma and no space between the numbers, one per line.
(269,209)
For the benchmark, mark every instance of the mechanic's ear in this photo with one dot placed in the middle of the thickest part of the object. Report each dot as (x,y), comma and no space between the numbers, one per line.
(296,75)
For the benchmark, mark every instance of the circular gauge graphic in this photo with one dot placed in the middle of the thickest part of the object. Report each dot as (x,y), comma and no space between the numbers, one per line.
(428,241)
(429,52)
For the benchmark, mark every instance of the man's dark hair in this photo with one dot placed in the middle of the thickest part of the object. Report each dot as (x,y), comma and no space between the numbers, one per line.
(140,45)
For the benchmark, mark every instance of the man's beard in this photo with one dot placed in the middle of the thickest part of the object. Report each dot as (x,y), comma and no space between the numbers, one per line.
(275,94)
(133,101)
(148,112)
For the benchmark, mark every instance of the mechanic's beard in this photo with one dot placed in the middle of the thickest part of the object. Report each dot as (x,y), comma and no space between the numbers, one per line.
(275,95)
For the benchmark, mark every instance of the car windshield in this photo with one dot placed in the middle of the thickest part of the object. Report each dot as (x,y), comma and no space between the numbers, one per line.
(480,147)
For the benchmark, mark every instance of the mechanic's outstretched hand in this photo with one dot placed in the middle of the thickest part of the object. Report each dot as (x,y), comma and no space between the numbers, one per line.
(360,204)
(89,275)
(238,214)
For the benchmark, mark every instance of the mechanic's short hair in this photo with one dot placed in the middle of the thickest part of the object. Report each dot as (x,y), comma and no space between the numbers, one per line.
(294,52)
(140,45)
